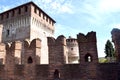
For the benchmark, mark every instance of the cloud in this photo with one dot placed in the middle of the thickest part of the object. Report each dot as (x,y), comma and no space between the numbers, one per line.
(62,29)
(89,11)
(117,26)
(50,6)
(56,6)
(109,5)
(99,12)
(46,1)
(112,25)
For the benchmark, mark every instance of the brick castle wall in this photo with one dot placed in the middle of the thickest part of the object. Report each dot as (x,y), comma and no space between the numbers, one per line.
(31,69)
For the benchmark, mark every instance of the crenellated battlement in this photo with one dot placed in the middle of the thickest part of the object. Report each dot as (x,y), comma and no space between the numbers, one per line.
(87,47)
(28,50)
(90,37)
(20,48)
(72,41)
(21,60)
(60,40)
(16,48)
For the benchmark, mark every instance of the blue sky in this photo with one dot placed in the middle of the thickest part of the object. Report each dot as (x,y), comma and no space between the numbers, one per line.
(78,16)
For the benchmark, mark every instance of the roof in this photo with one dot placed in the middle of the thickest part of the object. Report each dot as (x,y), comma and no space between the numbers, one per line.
(28,4)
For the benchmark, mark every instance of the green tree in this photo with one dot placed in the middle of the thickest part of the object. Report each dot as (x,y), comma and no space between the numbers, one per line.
(109,50)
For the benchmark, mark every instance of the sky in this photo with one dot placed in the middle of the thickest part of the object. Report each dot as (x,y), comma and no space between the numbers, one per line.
(78,16)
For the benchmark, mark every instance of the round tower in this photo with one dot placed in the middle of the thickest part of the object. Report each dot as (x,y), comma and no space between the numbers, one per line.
(73,53)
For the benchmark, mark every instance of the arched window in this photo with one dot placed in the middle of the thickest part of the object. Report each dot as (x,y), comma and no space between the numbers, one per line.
(56,75)
(30,60)
(88,58)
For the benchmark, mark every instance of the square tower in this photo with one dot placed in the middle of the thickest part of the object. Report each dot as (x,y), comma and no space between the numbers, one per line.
(27,21)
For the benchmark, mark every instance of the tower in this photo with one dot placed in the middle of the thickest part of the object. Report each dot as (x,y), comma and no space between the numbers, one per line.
(88,55)
(116,39)
(57,57)
(73,52)
(87,47)
(29,22)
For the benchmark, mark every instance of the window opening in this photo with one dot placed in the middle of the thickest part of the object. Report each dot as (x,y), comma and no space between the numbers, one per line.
(13,12)
(2,17)
(40,13)
(8,32)
(30,60)
(56,75)
(43,16)
(19,11)
(26,8)
(35,9)
(72,49)
(88,58)
(7,15)
(47,19)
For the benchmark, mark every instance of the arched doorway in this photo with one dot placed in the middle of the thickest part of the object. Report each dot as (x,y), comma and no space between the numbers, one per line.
(88,58)
(56,75)
(30,61)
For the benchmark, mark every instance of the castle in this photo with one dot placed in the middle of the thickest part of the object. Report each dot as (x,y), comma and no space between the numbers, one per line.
(29,51)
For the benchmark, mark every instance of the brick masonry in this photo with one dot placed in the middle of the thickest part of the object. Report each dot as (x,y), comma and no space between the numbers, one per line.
(31,69)
(22,55)
(116,39)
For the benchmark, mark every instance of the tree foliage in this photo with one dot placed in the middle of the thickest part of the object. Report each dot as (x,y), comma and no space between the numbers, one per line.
(109,50)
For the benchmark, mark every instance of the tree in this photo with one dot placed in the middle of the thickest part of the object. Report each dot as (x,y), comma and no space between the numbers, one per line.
(109,50)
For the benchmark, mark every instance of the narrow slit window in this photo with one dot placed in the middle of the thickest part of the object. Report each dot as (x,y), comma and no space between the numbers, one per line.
(35,9)
(40,13)
(7,15)
(50,21)
(2,17)
(8,32)
(13,13)
(43,16)
(19,11)
(26,8)
(72,49)
(47,19)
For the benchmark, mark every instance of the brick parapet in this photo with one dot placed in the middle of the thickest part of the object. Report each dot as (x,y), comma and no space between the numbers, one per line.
(87,45)
(88,55)
(90,37)
(57,51)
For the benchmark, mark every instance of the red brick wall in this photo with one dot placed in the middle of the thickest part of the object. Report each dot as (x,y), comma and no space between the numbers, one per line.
(31,70)
(108,71)
(87,45)
(57,51)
